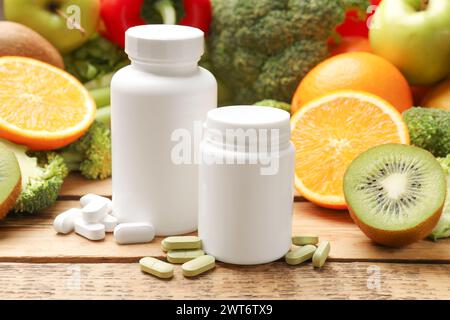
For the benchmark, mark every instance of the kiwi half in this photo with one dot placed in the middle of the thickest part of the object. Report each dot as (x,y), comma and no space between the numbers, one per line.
(395,193)
(10,180)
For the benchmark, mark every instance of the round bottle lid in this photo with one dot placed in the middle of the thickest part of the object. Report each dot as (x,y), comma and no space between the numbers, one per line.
(164,43)
(248,125)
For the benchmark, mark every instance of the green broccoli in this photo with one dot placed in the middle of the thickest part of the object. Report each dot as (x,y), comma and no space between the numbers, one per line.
(275,104)
(91,154)
(263,48)
(429,129)
(42,177)
(442,230)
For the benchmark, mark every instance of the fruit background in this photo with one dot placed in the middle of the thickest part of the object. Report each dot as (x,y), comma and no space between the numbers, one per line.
(349,90)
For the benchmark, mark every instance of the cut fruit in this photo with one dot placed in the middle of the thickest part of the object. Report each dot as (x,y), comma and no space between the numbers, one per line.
(395,193)
(360,71)
(41,106)
(10,180)
(329,132)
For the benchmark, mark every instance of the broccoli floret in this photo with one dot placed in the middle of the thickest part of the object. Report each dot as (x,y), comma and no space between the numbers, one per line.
(442,230)
(429,129)
(275,104)
(42,177)
(91,154)
(263,48)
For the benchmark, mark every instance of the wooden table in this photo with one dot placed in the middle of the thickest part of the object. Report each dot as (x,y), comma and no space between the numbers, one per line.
(35,262)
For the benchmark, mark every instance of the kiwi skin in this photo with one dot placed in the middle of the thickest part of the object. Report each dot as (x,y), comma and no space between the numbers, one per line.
(9,202)
(398,238)
(19,40)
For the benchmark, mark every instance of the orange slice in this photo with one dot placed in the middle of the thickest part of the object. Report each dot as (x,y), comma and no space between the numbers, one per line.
(41,106)
(331,131)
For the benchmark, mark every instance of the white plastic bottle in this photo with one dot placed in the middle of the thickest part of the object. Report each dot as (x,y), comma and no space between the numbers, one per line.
(162,91)
(246,185)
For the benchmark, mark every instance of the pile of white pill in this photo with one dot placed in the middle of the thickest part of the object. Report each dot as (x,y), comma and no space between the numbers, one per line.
(96,217)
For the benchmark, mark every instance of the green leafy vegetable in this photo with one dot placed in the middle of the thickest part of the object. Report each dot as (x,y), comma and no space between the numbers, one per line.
(103,115)
(442,230)
(94,59)
(99,82)
(101,96)
(162,11)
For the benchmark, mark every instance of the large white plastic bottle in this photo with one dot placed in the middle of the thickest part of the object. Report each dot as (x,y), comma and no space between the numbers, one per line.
(161,94)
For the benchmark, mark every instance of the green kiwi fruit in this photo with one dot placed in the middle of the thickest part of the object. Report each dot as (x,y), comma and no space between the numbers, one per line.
(10,180)
(395,193)
(19,40)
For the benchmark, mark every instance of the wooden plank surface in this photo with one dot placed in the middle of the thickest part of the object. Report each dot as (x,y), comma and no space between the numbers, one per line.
(35,262)
(75,186)
(271,281)
(32,239)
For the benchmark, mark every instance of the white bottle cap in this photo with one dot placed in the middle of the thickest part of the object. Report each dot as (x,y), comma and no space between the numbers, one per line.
(160,43)
(232,120)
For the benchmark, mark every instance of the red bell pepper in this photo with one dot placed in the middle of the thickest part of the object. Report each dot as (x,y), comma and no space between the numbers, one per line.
(198,14)
(355,26)
(119,15)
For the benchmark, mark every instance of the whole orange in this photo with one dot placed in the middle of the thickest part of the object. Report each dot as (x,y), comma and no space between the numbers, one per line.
(355,71)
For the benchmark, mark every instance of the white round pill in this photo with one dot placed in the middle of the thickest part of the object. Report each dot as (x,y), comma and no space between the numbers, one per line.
(134,232)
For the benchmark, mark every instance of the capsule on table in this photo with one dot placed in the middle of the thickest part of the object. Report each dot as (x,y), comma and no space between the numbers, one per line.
(304,240)
(181,242)
(65,222)
(95,211)
(86,199)
(134,232)
(156,267)
(300,254)
(321,254)
(91,231)
(182,256)
(198,266)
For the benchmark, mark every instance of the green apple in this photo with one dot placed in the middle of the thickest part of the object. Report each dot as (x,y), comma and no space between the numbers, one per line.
(67,24)
(415,36)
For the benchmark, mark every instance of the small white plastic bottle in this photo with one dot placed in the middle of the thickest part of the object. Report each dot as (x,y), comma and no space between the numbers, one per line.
(162,94)
(246,185)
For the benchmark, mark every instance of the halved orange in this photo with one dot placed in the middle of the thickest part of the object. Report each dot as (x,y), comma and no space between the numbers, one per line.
(41,106)
(330,132)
